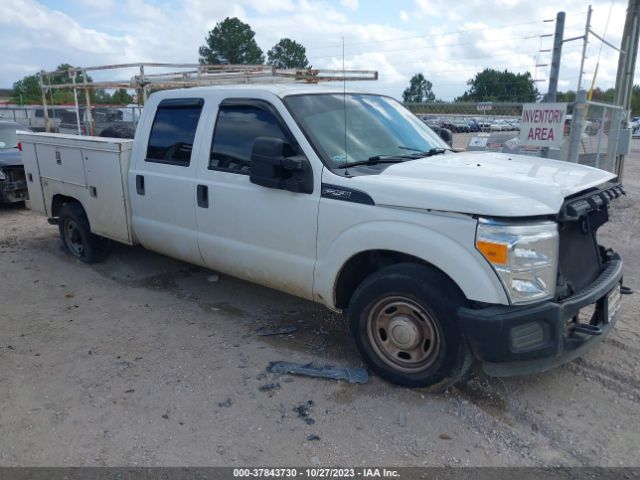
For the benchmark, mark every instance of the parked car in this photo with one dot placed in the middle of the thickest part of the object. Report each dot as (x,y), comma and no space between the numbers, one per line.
(499,126)
(474,126)
(13,185)
(120,119)
(436,257)
(461,126)
(31,117)
(514,124)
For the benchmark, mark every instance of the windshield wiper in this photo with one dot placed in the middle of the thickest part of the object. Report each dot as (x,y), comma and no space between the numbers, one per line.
(376,159)
(428,153)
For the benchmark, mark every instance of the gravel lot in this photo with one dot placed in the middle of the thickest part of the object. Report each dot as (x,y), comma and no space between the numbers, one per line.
(142,360)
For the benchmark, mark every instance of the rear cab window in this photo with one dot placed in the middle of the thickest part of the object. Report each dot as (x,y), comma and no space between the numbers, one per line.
(173,131)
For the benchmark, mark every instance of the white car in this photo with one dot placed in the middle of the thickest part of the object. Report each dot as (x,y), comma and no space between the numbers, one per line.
(500,126)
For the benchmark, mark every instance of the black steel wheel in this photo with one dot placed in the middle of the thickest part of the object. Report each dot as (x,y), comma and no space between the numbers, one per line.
(77,239)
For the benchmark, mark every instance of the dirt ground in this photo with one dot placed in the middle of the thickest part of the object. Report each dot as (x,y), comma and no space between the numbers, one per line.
(143,360)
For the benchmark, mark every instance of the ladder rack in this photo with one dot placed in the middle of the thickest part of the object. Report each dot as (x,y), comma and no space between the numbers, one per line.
(185,75)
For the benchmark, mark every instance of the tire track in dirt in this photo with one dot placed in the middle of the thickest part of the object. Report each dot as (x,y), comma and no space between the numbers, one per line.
(499,415)
(612,380)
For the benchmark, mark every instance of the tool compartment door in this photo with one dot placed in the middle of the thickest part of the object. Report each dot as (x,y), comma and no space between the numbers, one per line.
(106,203)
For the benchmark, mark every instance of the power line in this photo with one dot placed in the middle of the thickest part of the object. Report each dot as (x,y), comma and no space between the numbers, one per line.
(431,72)
(437,46)
(439,34)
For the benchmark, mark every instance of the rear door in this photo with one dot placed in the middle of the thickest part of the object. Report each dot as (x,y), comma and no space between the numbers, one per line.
(162,180)
(264,235)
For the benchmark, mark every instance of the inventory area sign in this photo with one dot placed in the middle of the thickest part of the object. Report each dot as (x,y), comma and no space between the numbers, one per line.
(542,124)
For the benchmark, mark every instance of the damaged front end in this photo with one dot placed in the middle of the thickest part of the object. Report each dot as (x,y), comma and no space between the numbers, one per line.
(583,262)
(13,184)
(515,340)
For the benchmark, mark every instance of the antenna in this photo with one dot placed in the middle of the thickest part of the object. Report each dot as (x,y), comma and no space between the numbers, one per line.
(344,106)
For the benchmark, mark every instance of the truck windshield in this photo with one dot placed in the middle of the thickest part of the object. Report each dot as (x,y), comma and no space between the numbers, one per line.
(376,127)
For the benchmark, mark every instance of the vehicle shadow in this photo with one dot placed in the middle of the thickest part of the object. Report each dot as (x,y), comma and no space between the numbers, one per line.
(319,333)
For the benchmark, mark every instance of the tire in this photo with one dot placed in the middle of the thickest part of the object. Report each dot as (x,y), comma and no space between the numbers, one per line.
(77,239)
(420,304)
(119,130)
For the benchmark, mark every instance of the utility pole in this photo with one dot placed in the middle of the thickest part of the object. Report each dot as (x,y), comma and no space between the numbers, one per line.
(624,82)
(554,74)
(628,54)
(585,41)
(555,59)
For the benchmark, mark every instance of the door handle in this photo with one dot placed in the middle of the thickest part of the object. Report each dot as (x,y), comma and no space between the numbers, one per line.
(140,184)
(203,196)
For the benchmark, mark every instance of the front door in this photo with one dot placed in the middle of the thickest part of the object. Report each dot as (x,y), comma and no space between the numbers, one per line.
(264,235)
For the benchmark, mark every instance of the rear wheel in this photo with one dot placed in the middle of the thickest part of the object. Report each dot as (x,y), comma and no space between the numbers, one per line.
(404,321)
(77,239)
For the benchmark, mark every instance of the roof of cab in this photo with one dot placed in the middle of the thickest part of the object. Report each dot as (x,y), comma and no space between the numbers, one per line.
(279,89)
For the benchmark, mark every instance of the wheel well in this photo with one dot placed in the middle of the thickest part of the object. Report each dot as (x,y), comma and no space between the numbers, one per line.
(58,201)
(363,264)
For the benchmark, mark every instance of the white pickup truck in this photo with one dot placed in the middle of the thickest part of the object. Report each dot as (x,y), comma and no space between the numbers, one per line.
(351,201)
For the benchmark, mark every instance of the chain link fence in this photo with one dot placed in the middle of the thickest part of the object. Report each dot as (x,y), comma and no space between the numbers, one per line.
(599,134)
(596,136)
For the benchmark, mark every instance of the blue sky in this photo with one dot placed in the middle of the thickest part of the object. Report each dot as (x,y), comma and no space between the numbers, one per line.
(447,41)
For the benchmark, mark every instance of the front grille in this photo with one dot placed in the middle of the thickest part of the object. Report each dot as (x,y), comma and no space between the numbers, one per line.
(581,215)
(579,261)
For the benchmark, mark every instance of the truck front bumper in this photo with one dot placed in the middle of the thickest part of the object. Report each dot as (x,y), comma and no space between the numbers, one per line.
(512,340)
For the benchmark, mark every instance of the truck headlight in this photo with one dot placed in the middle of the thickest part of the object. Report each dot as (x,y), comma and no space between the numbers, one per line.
(525,257)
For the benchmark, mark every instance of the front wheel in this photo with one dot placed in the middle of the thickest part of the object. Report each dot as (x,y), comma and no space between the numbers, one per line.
(404,321)
(77,239)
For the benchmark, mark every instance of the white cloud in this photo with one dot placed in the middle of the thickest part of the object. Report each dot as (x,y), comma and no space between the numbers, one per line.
(350,4)
(448,45)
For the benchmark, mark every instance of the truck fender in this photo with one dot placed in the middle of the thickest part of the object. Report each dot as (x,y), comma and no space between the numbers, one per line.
(456,257)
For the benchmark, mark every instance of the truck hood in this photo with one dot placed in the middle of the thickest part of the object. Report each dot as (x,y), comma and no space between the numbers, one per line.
(10,157)
(483,183)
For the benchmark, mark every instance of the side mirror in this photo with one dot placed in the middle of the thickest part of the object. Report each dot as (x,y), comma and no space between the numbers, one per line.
(274,164)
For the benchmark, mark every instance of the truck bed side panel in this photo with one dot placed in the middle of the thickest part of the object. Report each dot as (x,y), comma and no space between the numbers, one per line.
(87,169)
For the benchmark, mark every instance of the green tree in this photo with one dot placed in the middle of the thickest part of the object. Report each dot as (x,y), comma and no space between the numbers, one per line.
(635,100)
(101,97)
(419,90)
(27,90)
(231,42)
(568,96)
(288,53)
(599,95)
(121,97)
(500,86)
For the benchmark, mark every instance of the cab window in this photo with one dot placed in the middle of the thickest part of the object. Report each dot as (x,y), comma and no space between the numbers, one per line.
(173,131)
(237,127)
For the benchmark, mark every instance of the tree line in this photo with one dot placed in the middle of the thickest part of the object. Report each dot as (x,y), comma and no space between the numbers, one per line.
(232,41)
(489,85)
(27,91)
